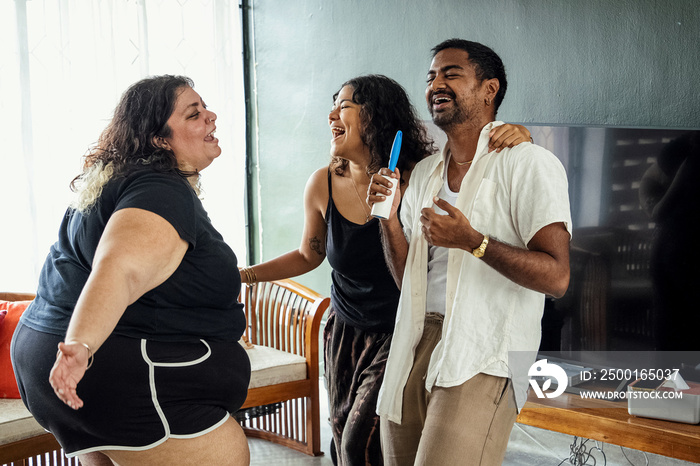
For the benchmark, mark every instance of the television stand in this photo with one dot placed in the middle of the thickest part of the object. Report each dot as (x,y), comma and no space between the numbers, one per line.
(609,422)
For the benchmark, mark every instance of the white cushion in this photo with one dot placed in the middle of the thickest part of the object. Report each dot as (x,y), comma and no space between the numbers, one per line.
(16,423)
(270,366)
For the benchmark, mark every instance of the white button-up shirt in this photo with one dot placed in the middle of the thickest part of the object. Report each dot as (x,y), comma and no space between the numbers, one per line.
(510,196)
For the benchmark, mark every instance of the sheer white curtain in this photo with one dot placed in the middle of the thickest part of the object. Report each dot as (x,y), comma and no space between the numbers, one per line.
(63,67)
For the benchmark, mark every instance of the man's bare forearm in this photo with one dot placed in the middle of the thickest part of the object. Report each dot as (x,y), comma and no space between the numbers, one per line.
(536,270)
(395,248)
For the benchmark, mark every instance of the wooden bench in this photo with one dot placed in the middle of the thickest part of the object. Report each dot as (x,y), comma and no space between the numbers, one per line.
(282,406)
(22,438)
(284,319)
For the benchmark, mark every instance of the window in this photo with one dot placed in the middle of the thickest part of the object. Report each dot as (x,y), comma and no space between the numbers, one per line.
(63,67)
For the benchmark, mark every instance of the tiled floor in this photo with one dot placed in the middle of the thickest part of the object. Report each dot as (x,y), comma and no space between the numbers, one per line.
(528,446)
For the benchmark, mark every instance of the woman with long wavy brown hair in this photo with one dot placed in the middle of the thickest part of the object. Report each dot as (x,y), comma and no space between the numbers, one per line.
(139,296)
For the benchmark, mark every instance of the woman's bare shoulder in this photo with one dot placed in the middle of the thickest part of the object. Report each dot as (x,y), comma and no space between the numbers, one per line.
(318,179)
(317,187)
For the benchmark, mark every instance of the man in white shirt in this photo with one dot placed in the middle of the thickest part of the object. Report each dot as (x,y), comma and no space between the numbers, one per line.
(483,238)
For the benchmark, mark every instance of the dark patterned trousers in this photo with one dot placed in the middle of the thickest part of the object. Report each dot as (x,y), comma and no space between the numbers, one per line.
(354,367)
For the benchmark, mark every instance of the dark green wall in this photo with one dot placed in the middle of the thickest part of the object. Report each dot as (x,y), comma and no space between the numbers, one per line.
(592,62)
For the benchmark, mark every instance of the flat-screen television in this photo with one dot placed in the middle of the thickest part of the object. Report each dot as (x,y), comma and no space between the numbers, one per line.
(634,293)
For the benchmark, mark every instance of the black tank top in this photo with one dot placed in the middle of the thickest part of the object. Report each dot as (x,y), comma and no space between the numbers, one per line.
(363,292)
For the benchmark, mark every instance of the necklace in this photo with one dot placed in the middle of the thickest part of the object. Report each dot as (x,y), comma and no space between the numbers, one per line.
(362,203)
(459,164)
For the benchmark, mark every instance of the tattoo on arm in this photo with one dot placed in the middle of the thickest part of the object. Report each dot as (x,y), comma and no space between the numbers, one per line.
(316,245)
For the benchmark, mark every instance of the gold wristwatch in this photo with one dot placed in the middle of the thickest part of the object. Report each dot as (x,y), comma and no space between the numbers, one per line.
(479,252)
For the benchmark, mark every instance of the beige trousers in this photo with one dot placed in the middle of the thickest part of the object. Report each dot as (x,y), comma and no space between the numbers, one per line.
(464,425)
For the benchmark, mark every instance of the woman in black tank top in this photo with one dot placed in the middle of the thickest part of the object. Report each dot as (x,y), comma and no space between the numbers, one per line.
(367,112)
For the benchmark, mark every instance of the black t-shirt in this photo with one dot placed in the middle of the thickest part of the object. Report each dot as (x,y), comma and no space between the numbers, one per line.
(199,300)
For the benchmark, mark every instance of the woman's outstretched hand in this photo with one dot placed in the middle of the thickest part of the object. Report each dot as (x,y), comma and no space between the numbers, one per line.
(69,368)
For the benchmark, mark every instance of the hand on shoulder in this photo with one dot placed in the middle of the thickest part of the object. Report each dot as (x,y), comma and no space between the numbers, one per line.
(508,135)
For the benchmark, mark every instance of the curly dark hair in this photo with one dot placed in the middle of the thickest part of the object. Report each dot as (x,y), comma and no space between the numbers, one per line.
(384,109)
(487,63)
(140,116)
